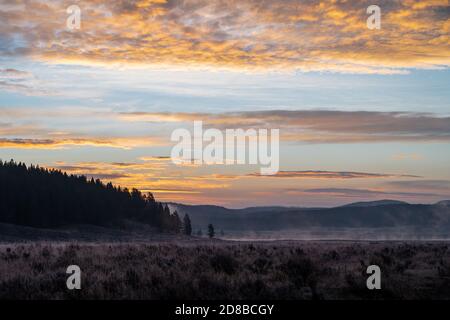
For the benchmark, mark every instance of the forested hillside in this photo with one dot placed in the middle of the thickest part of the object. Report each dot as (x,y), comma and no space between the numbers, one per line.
(39,197)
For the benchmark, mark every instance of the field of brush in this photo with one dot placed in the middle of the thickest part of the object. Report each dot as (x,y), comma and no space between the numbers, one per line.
(225,270)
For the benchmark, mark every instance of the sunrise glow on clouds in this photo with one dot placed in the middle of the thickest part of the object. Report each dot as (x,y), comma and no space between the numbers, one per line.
(308,35)
(363,114)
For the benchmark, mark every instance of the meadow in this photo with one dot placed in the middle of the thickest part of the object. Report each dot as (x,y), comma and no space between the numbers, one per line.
(280,270)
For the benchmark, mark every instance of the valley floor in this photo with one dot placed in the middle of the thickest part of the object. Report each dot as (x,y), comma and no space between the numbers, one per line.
(202,269)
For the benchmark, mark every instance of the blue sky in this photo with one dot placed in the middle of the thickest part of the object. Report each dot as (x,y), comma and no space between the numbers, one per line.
(105,99)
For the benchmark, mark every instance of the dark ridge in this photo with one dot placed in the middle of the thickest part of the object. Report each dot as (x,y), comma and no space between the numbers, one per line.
(382,214)
(385,202)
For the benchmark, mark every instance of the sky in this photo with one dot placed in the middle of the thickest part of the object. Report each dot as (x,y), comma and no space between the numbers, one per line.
(363,114)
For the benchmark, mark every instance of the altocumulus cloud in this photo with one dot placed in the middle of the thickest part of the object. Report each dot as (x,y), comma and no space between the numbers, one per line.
(252,34)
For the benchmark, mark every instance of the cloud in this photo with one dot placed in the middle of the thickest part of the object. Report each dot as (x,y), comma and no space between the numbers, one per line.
(422,184)
(11,129)
(407,156)
(14,80)
(24,127)
(330,175)
(11,73)
(21,81)
(329,36)
(347,192)
(36,143)
(52,143)
(193,185)
(49,113)
(320,126)
(154,176)
(156,158)
(58,127)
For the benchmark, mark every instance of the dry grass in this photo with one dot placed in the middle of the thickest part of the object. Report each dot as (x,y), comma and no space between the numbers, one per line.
(272,270)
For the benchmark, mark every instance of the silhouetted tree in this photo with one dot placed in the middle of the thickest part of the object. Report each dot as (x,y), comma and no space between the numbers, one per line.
(187,227)
(211,232)
(199,232)
(175,222)
(40,197)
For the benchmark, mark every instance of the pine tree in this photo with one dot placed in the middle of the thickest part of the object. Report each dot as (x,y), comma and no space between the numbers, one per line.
(211,232)
(187,225)
(176,225)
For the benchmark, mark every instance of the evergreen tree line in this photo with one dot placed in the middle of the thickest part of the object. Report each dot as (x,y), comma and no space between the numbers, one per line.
(46,198)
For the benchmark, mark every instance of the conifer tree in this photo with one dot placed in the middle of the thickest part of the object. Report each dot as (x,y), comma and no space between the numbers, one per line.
(187,227)
(211,232)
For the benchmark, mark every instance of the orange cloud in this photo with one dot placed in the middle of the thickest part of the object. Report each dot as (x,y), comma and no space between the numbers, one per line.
(162,178)
(251,34)
(36,143)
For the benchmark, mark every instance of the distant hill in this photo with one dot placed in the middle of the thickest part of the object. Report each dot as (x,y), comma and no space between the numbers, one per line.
(445,203)
(369,215)
(375,203)
(42,198)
